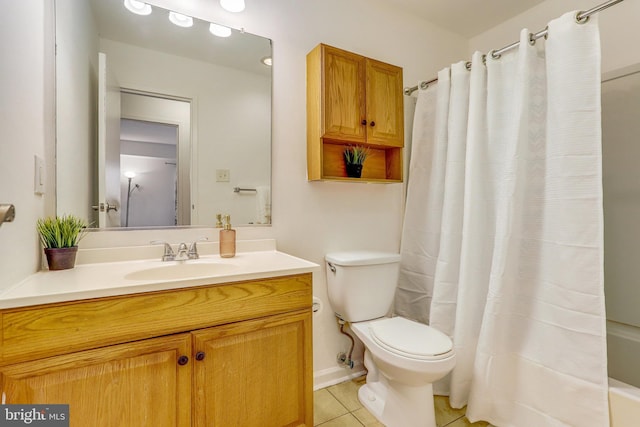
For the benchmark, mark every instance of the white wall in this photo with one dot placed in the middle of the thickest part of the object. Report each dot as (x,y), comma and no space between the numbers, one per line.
(26,129)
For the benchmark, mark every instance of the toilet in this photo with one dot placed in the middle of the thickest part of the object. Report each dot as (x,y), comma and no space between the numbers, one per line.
(403,358)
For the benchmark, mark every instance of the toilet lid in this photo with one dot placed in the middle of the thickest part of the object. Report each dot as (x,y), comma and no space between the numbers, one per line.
(410,339)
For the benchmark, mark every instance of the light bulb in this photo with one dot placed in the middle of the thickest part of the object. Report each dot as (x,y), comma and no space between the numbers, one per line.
(130,174)
(137,7)
(232,5)
(219,30)
(180,20)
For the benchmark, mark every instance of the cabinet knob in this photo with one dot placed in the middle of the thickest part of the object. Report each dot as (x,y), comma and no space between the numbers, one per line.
(364,122)
(200,355)
(183,360)
(373,124)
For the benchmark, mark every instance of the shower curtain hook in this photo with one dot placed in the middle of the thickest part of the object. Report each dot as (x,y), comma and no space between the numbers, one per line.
(581,19)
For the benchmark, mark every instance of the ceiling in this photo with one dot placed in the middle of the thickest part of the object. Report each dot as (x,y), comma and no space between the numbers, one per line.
(466,17)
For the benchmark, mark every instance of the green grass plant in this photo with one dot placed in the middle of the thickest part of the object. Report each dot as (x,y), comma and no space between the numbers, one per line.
(61,232)
(356,155)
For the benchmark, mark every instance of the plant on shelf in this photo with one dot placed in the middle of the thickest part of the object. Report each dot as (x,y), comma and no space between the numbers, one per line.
(60,237)
(354,157)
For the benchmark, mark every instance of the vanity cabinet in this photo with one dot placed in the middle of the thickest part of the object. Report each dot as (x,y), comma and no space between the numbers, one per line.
(353,100)
(252,370)
(237,354)
(133,384)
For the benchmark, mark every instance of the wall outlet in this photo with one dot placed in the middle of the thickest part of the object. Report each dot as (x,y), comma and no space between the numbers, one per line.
(222,175)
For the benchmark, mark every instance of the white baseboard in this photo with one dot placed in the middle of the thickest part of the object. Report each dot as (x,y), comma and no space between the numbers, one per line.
(330,376)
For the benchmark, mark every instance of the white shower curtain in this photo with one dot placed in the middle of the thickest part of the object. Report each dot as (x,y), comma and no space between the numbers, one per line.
(505,252)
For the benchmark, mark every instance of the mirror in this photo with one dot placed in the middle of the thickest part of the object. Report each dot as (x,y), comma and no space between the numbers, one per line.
(156,124)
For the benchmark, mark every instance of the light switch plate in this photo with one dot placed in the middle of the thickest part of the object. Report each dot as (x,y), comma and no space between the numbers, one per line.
(222,175)
(39,175)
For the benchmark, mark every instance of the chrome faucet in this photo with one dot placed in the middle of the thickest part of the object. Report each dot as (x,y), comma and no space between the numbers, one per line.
(168,255)
(193,249)
(184,252)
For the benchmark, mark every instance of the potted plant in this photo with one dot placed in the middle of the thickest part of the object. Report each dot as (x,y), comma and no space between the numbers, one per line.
(60,237)
(354,157)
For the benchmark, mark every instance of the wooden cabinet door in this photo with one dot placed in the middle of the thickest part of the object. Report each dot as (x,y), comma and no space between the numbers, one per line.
(133,384)
(384,104)
(344,95)
(256,373)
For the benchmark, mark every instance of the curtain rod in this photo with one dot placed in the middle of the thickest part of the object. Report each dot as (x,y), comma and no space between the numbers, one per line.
(581,18)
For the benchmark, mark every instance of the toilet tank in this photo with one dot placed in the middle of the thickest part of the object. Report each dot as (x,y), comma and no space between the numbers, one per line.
(361,284)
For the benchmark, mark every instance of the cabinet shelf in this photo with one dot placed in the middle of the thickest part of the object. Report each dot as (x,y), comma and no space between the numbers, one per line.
(384,164)
(353,100)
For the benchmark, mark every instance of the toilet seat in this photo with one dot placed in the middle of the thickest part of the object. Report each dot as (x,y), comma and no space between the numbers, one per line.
(410,339)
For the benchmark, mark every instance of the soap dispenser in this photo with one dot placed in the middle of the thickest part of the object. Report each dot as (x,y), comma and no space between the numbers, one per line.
(227,239)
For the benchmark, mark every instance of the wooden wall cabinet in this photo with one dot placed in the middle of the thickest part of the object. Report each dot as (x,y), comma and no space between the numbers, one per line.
(197,369)
(353,100)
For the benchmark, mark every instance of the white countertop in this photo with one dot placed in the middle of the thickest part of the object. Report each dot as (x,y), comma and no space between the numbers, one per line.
(128,277)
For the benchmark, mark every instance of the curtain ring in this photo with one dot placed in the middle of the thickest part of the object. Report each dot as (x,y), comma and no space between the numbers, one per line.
(532,39)
(467,65)
(546,32)
(581,19)
(424,85)
(493,55)
(484,59)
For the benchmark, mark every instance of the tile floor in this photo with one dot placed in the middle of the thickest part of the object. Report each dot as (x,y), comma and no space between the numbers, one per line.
(338,406)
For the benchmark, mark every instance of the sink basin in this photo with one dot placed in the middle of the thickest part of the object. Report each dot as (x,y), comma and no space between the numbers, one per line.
(183,270)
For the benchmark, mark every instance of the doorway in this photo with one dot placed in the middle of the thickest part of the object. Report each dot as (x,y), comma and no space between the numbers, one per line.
(156,153)
(148,160)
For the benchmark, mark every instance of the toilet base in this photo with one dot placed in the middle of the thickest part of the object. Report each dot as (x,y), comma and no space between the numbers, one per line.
(398,405)
(372,399)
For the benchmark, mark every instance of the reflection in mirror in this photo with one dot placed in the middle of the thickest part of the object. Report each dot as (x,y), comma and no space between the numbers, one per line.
(153,132)
(157,123)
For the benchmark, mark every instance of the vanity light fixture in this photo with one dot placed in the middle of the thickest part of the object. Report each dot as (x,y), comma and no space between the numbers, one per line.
(137,7)
(267,61)
(232,5)
(129,174)
(180,20)
(219,30)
